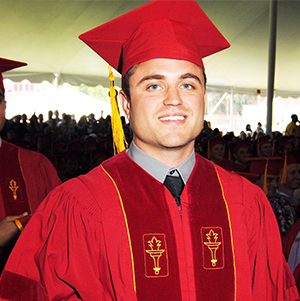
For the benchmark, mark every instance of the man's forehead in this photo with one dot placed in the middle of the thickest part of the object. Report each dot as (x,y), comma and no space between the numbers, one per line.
(161,66)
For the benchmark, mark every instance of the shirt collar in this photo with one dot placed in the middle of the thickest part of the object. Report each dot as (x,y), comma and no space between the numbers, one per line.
(157,169)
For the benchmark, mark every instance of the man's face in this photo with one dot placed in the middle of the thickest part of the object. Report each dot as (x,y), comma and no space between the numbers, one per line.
(293,176)
(2,109)
(241,154)
(272,183)
(217,153)
(166,109)
(266,150)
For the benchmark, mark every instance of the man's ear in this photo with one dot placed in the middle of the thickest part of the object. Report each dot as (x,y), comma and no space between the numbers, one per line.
(125,102)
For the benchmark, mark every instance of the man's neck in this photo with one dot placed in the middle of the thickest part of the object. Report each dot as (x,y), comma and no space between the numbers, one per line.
(168,156)
(158,169)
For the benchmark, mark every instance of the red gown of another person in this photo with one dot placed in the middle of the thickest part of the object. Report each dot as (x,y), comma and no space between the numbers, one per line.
(26,177)
(117,234)
(291,249)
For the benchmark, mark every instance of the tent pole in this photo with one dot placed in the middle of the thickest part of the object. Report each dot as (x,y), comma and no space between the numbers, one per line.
(271,62)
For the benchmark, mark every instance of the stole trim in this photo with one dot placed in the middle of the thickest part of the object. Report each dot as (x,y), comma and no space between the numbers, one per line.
(22,172)
(127,227)
(230,227)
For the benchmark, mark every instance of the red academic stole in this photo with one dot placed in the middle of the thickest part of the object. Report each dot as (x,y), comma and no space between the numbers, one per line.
(12,181)
(154,240)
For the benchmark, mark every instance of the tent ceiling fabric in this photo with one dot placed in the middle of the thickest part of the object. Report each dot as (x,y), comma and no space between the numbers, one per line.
(45,35)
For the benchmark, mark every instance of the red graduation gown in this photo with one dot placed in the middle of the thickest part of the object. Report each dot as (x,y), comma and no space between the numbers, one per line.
(33,176)
(116,234)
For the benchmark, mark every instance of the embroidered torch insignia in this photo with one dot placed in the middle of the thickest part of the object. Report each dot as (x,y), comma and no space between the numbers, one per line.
(13,187)
(155,252)
(213,245)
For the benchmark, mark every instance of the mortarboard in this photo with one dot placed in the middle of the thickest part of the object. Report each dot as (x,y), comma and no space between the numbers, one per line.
(216,140)
(159,29)
(244,143)
(6,65)
(231,166)
(266,166)
(282,142)
(290,157)
(258,165)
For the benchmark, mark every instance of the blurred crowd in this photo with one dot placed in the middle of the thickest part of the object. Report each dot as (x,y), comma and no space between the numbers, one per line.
(75,147)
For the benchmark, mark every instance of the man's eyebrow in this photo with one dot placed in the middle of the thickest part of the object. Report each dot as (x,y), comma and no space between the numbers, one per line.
(190,75)
(159,76)
(150,77)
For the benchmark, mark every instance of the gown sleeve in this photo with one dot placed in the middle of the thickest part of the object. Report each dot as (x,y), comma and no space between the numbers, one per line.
(257,243)
(40,176)
(67,251)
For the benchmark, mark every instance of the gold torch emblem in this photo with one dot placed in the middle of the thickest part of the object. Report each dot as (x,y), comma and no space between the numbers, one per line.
(212,248)
(156,255)
(13,187)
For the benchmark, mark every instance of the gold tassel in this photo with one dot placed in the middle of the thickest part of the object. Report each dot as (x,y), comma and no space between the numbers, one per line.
(119,140)
(265,178)
(283,180)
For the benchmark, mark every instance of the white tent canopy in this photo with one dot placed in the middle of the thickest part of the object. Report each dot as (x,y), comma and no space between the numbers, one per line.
(63,99)
(45,35)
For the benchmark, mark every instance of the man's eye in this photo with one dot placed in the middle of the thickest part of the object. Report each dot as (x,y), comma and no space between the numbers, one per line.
(154,87)
(187,86)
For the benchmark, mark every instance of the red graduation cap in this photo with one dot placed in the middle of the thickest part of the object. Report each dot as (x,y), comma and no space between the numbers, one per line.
(6,65)
(231,166)
(159,29)
(290,157)
(261,164)
(235,146)
(266,166)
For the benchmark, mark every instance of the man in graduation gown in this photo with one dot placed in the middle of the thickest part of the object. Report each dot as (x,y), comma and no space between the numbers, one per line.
(118,233)
(26,177)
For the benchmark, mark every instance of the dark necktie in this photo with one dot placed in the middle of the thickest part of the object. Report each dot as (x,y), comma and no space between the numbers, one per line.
(175,185)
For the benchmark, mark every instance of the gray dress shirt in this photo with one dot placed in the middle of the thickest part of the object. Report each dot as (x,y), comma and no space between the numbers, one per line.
(157,169)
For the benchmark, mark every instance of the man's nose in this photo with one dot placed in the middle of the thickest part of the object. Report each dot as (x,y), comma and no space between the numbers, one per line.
(173,97)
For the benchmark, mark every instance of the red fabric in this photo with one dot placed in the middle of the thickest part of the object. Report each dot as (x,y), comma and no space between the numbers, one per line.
(6,65)
(288,241)
(80,248)
(31,289)
(39,176)
(136,36)
(13,187)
